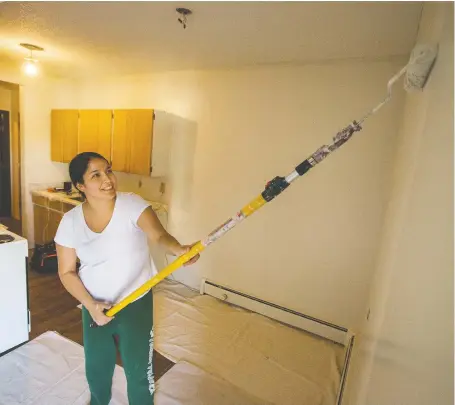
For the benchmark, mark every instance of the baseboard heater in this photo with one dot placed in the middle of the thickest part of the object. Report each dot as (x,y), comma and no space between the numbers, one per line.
(308,323)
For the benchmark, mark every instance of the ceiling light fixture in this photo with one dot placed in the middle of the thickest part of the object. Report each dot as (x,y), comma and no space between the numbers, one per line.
(183,12)
(30,66)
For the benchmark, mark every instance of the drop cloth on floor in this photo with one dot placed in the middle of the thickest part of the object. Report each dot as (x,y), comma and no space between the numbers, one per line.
(268,360)
(190,385)
(49,370)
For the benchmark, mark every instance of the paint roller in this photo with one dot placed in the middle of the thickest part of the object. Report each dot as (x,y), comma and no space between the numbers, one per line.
(416,74)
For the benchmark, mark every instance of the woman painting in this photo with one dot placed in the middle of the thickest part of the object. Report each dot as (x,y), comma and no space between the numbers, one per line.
(109,234)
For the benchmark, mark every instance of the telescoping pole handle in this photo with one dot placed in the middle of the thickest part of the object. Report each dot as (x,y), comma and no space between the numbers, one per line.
(176,264)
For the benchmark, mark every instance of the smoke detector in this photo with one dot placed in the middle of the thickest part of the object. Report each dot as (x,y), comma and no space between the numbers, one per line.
(183,12)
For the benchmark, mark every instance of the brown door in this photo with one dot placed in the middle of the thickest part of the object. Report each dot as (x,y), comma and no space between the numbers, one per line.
(5,165)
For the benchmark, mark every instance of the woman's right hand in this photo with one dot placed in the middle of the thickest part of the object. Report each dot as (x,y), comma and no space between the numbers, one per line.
(96,310)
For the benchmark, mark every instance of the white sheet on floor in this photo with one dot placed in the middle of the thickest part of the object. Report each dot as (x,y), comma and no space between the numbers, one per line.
(190,385)
(50,370)
(262,357)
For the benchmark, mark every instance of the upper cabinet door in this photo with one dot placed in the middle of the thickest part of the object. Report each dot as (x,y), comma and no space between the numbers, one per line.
(120,141)
(95,127)
(64,131)
(70,139)
(141,142)
(132,141)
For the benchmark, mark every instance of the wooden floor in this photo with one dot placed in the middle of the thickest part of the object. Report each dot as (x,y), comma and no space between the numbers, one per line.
(54,309)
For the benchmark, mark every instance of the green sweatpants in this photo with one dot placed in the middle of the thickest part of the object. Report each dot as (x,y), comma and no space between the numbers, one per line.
(133,326)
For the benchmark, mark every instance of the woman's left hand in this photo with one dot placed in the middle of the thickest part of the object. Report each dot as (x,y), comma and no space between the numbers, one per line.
(186,249)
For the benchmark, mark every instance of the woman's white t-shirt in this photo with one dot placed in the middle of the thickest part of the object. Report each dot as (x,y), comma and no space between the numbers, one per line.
(116,261)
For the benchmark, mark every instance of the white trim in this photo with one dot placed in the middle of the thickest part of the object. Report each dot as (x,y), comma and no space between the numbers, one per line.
(344,373)
(318,327)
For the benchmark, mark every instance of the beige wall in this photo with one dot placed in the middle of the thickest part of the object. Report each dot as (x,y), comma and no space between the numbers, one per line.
(405,352)
(37,101)
(312,249)
(5,99)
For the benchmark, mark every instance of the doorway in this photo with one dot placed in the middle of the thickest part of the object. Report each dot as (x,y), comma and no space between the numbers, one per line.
(5,165)
(10,158)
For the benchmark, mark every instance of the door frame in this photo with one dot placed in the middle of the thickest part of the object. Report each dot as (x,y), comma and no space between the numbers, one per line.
(7,190)
(15,149)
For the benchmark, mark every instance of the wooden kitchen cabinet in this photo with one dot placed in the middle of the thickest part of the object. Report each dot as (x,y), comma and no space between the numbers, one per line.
(40,221)
(141,142)
(64,135)
(47,216)
(121,141)
(132,141)
(66,207)
(54,220)
(95,128)
(135,140)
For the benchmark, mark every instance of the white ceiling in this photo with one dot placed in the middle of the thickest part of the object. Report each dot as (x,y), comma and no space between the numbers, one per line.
(85,38)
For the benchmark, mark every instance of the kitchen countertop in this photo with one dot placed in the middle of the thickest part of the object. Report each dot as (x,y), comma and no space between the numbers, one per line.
(61,196)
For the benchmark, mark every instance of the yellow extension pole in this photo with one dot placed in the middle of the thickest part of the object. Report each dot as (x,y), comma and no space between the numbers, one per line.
(181,260)
(176,264)
(272,190)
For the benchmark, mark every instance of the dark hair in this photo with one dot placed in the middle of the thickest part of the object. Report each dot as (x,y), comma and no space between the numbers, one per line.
(78,167)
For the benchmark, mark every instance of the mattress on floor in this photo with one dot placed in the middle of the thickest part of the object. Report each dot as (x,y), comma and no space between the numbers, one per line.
(50,370)
(262,357)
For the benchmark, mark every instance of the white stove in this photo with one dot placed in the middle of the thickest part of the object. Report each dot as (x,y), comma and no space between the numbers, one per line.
(14,311)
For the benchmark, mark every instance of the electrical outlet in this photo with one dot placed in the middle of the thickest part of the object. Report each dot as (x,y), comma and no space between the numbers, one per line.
(162,188)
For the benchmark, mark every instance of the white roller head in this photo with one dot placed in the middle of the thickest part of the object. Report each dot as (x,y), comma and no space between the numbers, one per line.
(419,67)
(416,74)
